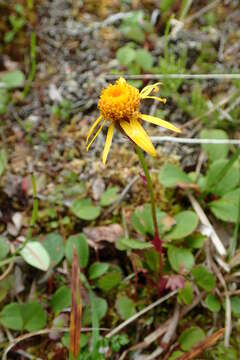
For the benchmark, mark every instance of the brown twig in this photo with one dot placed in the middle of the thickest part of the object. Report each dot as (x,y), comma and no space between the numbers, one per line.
(76,308)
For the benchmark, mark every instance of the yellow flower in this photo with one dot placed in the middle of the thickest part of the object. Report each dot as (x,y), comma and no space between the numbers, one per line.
(119,107)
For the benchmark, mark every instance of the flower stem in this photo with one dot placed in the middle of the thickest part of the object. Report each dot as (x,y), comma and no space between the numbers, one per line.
(156,241)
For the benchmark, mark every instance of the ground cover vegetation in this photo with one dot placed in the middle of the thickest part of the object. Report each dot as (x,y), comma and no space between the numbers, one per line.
(81,273)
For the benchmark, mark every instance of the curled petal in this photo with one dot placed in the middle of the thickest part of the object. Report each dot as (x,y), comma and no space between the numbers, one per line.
(138,135)
(108,143)
(148,89)
(97,133)
(163,100)
(160,122)
(93,127)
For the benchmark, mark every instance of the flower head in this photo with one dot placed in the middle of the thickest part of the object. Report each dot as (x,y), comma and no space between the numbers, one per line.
(119,107)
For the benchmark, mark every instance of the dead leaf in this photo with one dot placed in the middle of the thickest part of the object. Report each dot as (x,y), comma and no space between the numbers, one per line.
(168,222)
(98,188)
(110,233)
(175,282)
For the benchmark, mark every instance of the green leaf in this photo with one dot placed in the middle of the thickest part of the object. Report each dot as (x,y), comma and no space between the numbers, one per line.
(165,5)
(217,151)
(4,99)
(144,59)
(125,307)
(204,278)
(176,355)
(54,245)
(85,210)
(226,208)
(3,161)
(186,223)
(101,307)
(34,317)
(171,175)
(11,317)
(186,295)
(133,32)
(195,241)
(151,258)
(109,196)
(61,299)
(143,223)
(8,37)
(228,182)
(129,244)
(13,79)
(4,248)
(212,303)
(109,281)
(181,260)
(80,242)
(35,255)
(191,337)
(97,269)
(125,55)
(235,305)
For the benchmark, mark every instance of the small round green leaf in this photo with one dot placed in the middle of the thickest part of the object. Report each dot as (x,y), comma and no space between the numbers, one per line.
(186,294)
(204,278)
(85,210)
(13,79)
(97,269)
(109,196)
(109,280)
(228,182)
(181,260)
(171,175)
(186,223)
(191,337)
(101,307)
(215,152)
(34,317)
(125,55)
(226,208)
(11,317)
(212,303)
(61,299)
(125,307)
(80,242)
(36,255)
(54,245)
(144,58)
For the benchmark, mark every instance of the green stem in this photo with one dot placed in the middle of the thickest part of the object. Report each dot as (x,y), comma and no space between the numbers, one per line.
(150,186)
(152,198)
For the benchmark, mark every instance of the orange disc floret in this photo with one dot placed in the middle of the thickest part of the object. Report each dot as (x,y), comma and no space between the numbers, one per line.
(120,101)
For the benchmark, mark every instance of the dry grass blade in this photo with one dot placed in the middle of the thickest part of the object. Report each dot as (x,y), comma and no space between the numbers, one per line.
(76,308)
(207,343)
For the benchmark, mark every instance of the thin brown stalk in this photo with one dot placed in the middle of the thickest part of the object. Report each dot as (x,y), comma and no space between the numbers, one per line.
(76,308)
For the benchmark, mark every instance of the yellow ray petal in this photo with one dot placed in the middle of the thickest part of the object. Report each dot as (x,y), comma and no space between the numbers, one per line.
(155,98)
(93,127)
(160,122)
(97,133)
(147,89)
(138,135)
(108,143)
